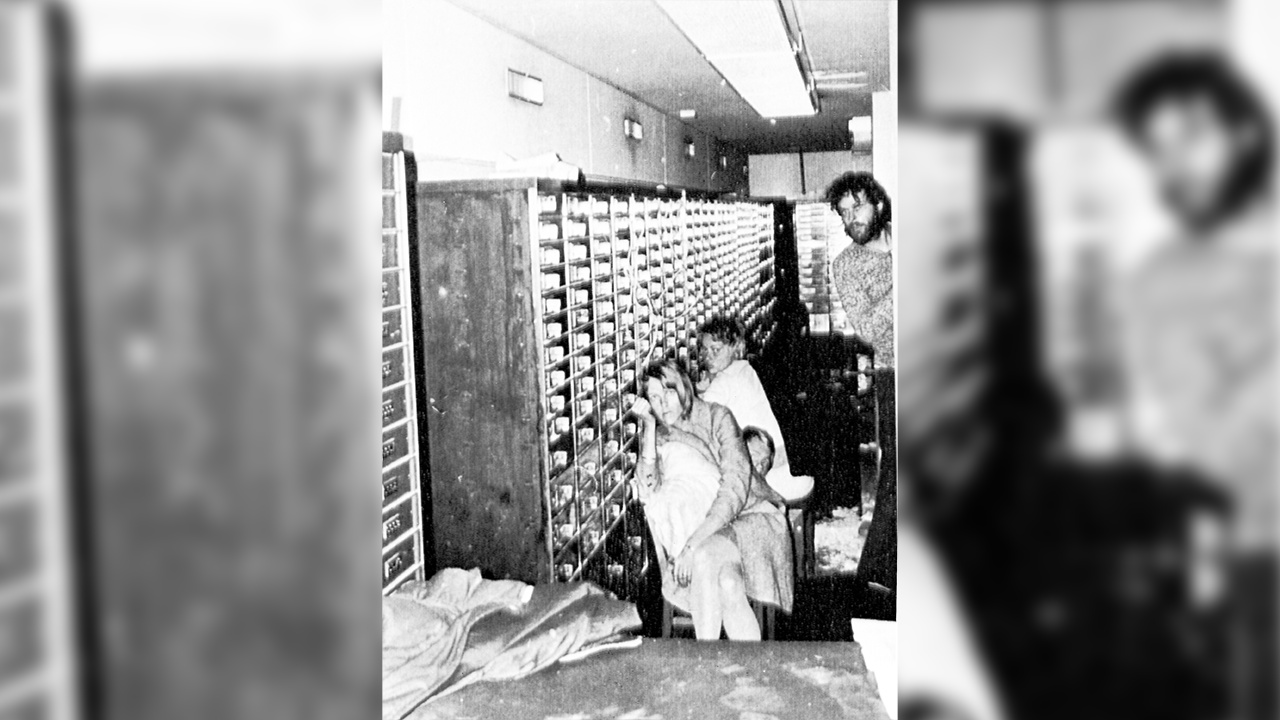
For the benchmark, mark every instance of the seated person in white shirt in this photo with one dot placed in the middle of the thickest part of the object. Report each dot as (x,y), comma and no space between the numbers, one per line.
(729,380)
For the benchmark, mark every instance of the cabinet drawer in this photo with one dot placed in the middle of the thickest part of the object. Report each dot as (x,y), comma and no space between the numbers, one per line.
(398,521)
(390,288)
(395,444)
(390,249)
(395,406)
(388,211)
(392,327)
(392,367)
(400,558)
(396,482)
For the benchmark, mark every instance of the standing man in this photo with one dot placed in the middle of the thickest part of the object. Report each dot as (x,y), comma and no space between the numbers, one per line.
(863,276)
(863,273)
(1202,326)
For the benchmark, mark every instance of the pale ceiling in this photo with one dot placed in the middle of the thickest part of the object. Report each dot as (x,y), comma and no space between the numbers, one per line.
(633,45)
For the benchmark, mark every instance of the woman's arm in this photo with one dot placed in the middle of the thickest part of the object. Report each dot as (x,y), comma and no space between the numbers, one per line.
(735,471)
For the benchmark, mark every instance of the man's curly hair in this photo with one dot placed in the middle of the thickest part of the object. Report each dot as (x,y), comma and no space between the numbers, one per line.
(852,183)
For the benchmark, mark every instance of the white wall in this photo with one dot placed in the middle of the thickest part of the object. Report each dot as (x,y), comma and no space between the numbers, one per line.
(779,175)
(449,70)
(884,141)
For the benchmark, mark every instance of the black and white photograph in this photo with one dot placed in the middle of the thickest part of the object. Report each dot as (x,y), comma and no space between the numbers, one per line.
(638,320)
(719,359)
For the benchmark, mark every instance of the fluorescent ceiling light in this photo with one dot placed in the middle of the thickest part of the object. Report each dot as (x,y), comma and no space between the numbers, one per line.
(688,114)
(747,43)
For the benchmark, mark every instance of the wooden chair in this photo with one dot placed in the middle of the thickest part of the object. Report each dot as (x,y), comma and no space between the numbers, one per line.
(674,618)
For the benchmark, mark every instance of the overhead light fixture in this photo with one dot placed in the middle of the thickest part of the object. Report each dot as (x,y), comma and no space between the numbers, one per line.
(632,129)
(688,114)
(689,148)
(523,86)
(860,133)
(751,45)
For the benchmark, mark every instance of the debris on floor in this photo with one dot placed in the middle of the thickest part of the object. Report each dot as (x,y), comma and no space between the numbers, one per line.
(838,541)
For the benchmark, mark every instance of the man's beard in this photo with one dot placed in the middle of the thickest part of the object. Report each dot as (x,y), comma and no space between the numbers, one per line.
(858,232)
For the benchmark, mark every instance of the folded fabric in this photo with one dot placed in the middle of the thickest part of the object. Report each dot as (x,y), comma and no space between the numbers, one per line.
(457,629)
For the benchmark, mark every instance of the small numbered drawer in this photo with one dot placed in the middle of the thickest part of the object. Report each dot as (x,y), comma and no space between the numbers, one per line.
(392,328)
(556,403)
(388,171)
(395,406)
(390,250)
(392,367)
(556,378)
(560,425)
(17,541)
(396,482)
(562,494)
(390,288)
(398,561)
(397,521)
(395,444)
(388,211)
(591,535)
(20,648)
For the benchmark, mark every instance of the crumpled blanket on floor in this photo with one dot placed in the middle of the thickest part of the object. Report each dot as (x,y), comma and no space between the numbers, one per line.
(457,629)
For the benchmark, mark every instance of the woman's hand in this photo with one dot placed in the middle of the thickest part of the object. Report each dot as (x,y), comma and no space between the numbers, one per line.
(683,566)
(643,409)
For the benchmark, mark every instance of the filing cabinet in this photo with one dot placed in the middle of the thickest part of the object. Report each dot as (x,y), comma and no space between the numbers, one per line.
(39,666)
(541,305)
(403,534)
(820,237)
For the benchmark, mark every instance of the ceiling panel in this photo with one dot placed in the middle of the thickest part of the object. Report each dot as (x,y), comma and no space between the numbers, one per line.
(634,46)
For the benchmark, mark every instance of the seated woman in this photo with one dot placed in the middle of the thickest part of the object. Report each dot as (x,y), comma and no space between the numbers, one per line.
(686,486)
(740,548)
(732,382)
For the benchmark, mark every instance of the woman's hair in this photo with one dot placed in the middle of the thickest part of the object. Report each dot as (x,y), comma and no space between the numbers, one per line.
(727,330)
(852,183)
(669,373)
(751,432)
